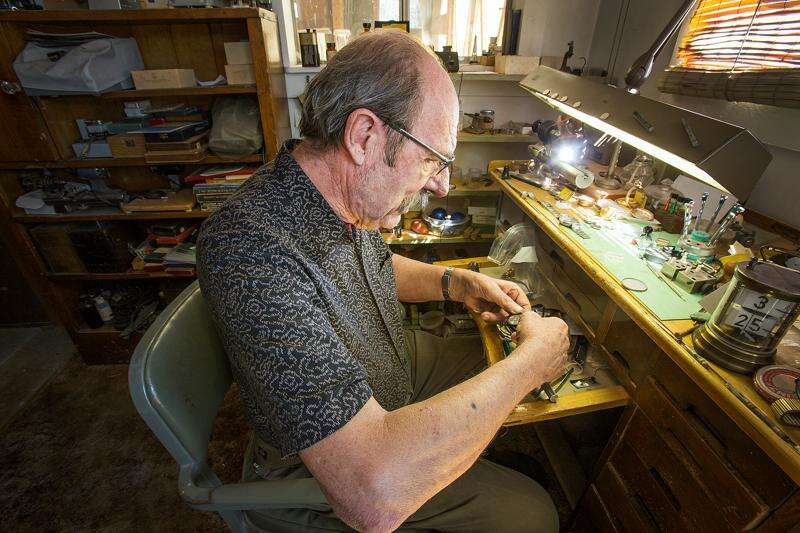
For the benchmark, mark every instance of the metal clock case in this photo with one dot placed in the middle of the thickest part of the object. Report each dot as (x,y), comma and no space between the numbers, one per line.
(760,304)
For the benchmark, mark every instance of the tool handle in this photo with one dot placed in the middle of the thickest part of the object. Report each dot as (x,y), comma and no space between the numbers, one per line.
(722,200)
(703,200)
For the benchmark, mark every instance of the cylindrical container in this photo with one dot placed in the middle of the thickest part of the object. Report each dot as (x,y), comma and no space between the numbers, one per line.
(309,53)
(761,303)
(103,309)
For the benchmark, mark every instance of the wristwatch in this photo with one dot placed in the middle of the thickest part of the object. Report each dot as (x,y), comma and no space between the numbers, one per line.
(446,282)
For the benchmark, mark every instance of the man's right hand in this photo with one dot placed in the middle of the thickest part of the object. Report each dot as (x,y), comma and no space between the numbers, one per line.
(551,337)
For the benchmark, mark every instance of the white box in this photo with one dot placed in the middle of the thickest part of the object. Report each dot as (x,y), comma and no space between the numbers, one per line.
(168,78)
(240,74)
(238,53)
(486,211)
(516,64)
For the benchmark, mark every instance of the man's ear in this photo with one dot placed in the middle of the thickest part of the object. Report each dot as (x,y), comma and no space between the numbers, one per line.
(363,132)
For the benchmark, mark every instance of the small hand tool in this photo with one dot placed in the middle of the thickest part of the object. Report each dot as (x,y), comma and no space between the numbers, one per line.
(687,219)
(703,199)
(550,389)
(722,200)
(736,209)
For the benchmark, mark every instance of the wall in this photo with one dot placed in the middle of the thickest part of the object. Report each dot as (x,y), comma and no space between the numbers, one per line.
(625,29)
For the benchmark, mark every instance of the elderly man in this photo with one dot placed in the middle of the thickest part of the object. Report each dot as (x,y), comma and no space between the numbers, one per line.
(304,294)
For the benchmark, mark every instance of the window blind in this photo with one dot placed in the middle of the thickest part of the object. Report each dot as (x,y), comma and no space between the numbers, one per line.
(740,50)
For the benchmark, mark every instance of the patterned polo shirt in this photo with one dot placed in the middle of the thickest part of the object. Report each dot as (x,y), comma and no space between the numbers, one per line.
(306,307)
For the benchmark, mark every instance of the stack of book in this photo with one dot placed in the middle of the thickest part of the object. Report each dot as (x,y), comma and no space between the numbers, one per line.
(181,260)
(176,142)
(215,185)
(168,248)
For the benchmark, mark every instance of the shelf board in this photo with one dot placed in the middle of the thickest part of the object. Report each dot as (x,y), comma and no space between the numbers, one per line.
(112,276)
(123,162)
(137,94)
(134,16)
(493,189)
(411,238)
(110,213)
(464,137)
(485,76)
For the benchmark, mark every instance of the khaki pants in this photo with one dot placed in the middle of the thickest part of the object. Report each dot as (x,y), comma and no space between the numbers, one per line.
(486,498)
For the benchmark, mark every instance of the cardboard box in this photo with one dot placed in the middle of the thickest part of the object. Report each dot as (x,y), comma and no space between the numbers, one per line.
(126,145)
(168,78)
(238,53)
(240,74)
(515,64)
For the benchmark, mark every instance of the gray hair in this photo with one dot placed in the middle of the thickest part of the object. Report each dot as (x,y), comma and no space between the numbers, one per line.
(378,71)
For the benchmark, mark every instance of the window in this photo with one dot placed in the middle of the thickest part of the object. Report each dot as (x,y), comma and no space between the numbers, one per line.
(466,25)
(739,50)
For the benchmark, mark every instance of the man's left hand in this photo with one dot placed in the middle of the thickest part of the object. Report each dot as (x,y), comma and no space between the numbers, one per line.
(494,299)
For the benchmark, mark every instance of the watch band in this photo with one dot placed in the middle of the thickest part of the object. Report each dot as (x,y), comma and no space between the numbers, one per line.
(446,282)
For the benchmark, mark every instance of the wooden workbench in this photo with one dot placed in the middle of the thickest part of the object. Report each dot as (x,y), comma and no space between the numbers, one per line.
(694,437)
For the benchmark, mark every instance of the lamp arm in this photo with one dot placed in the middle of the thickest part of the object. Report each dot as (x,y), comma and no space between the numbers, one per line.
(641,68)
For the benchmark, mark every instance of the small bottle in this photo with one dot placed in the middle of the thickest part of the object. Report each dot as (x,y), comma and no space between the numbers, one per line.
(367,25)
(103,309)
(330,46)
(645,240)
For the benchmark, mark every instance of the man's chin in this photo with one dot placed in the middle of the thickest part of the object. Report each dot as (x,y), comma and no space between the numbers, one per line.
(389,221)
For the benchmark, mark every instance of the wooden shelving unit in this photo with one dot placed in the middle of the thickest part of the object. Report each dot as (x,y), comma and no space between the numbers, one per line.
(411,238)
(134,94)
(485,76)
(38,132)
(210,159)
(464,137)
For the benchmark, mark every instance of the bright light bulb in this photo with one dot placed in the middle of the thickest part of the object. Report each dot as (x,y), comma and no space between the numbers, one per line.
(566,154)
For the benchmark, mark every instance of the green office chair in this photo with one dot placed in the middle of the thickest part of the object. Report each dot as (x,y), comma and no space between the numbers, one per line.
(178,377)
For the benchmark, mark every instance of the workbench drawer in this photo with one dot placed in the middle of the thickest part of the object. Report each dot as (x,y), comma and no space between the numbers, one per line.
(593,515)
(627,509)
(717,431)
(632,351)
(556,267)
(667,494)
(583,281)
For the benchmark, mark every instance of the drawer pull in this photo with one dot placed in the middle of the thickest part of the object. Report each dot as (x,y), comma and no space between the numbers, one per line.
(665,487)
(571,299)
(618,356)
(556,258)
(645,512)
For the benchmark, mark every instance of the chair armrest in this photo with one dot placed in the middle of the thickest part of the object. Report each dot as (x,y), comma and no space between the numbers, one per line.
(275,494)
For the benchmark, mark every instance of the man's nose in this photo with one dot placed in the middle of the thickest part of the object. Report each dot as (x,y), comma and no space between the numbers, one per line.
(439,185)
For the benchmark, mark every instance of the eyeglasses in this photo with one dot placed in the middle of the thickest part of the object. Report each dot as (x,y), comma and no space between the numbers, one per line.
(444,161)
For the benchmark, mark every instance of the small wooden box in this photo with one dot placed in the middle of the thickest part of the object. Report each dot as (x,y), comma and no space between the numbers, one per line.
(240,74)
(238,53)
(126,145)
(168,78)
(515,64)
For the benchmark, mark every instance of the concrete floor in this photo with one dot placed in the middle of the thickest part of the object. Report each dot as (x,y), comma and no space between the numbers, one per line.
(76,456)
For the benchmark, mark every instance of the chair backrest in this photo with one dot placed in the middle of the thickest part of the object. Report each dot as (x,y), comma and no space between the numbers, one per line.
(178,377)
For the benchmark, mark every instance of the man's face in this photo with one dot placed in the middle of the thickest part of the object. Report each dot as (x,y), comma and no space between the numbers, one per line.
(394,190)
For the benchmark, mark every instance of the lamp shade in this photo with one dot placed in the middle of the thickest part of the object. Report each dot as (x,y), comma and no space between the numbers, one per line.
(722,155)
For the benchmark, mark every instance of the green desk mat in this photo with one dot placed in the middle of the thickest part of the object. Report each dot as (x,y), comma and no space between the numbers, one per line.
(615,251)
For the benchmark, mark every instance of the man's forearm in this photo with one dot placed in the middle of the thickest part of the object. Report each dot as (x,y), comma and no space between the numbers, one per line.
(417,281)
(425,446)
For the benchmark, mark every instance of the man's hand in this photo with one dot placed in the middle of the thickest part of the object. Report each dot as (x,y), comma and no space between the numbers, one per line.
(494,299)
(551,338)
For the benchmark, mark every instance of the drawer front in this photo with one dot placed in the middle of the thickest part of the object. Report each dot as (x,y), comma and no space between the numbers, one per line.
(652,506)
(572,297)
(575,273)
(628,346)
(722,434)
(739,505)
(593,515)
(629,510)
(658,469)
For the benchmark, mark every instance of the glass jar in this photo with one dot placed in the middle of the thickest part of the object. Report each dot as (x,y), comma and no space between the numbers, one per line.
(640,169)
(659,194)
